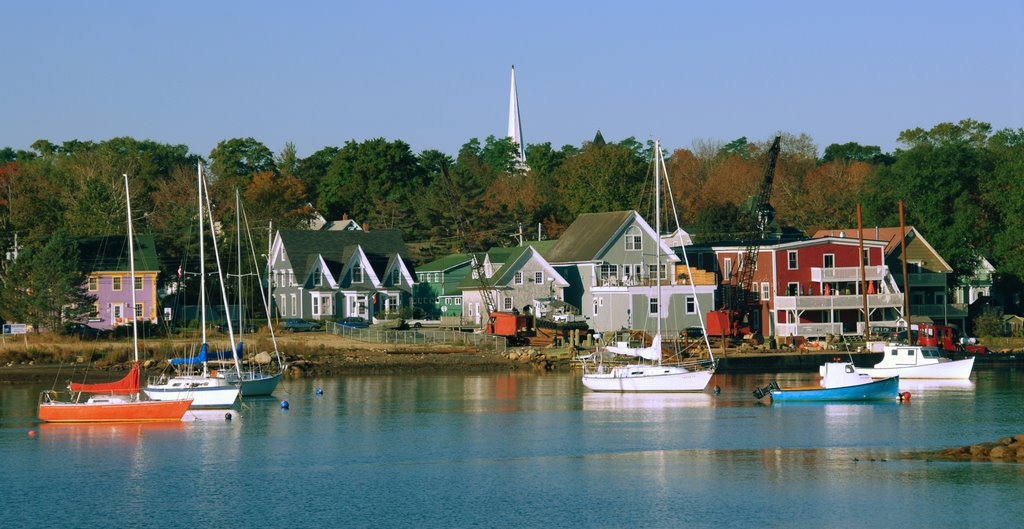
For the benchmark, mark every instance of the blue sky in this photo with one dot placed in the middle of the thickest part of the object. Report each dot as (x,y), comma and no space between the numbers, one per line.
(436,73)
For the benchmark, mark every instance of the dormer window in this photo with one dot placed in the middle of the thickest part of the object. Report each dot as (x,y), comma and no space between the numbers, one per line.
(357,273)
(394,276)
(633,239)
(318,277)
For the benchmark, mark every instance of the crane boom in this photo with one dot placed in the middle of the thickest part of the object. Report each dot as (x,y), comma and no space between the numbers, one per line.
(737,298)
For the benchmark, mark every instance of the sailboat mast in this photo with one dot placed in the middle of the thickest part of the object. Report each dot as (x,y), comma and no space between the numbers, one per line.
(131,263)
(238,233)
(220,279)
(202,257)
(657,229)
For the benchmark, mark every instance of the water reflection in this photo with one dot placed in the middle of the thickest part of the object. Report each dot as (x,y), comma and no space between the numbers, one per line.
(645,401)
(919,387)
(126,433)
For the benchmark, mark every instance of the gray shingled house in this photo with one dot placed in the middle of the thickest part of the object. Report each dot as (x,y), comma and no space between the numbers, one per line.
(327,275)
(611,263)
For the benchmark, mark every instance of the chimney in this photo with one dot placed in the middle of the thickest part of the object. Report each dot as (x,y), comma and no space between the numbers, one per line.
(344,216)
(366,227)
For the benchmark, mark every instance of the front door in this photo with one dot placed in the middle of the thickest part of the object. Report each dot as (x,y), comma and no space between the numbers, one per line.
(117,313)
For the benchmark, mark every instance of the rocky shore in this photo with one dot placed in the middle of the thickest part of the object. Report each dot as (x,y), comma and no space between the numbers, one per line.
(1005,450)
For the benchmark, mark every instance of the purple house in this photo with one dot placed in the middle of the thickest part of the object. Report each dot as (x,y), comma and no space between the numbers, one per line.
(105,261)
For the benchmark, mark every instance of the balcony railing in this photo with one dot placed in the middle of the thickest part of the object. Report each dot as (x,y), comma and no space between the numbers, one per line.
(837,302)
(938,310)
(808,329)
(922,279)
(848,274)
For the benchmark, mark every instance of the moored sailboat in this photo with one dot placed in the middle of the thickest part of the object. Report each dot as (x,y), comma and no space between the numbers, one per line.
(204,386)
(656,376)
(117,401)
(253,380)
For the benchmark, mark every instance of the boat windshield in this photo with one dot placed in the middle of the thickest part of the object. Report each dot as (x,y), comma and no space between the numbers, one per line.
(931,352)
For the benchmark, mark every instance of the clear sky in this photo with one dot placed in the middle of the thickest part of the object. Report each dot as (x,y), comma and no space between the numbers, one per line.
(436,73)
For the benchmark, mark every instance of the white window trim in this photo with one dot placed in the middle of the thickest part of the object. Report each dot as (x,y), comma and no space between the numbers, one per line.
(792,260)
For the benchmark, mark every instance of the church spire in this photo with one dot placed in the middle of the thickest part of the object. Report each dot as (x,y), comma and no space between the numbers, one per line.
(515,129)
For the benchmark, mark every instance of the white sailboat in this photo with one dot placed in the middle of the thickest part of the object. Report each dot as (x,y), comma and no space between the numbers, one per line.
(637,376)
(253,380)
(205,387)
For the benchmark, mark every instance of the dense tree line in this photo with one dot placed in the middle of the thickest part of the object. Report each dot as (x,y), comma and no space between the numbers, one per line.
(960,183)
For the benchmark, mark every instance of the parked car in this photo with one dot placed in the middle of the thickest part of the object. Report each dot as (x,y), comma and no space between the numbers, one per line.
(84,332)
(353,321)
(297,325)
(250,328)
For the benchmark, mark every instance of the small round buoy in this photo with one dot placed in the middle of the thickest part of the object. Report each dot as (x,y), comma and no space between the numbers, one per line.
(717,390)
(905,396)
(31,433)
(284,405)
(319,391)
(227,416)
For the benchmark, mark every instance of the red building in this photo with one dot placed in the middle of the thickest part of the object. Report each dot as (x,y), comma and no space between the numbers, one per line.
(813,287)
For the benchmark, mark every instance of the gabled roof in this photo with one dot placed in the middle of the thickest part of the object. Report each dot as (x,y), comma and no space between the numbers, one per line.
(584,239)
(110,254)
(302,246)
(890,235)
(446,263)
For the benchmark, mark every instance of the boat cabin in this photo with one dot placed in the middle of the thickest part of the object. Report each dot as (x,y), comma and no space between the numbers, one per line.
(841,374)
(910,355)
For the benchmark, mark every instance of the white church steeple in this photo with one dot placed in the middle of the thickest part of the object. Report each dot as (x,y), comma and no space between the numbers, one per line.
(515,128)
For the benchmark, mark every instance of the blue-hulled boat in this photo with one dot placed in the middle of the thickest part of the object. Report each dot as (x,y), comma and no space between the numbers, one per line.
(841,382)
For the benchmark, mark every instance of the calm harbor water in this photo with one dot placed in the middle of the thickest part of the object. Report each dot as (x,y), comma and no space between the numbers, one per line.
(521,450)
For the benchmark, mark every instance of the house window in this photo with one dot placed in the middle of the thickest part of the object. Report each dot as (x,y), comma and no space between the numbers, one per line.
(792,259)
(394,276)
(727,268)
(755,291)
(652,306)
(607,272)
(117,283)
(281,309)
(318,277)
(326,307)
(138,311)
(538,277)
(316,305)
(507,303)
(294,312)
(291,277)
(437,277)
(357,273)
(867,257)
(829,261)
(691,305)
(94,312)
(138,283)
(765,291)
(94,283)
(792,289)
(458,301)
(595,306)
(633,239)
(518,280)
(914,267)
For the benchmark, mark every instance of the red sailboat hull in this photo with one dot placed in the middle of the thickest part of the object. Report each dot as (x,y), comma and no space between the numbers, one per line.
(139,411)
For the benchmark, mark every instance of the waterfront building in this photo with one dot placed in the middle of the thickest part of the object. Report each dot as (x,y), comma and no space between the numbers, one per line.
(326,275)
(108,279)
